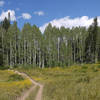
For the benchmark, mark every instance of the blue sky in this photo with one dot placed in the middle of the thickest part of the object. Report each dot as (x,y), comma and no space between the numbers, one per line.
(43,11)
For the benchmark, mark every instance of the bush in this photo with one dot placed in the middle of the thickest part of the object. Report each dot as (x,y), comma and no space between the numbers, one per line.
(95,69)
(84,67)
(4,67)
(84,79)
(15,66)
(15,77)
(98,66)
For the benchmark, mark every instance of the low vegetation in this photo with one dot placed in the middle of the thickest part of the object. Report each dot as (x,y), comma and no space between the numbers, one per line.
(12,85)
(80,82)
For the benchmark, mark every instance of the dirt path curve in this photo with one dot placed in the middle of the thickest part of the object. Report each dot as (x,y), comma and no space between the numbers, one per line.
(26,94)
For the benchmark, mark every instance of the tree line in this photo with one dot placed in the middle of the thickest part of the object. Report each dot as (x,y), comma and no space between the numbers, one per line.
(55,47)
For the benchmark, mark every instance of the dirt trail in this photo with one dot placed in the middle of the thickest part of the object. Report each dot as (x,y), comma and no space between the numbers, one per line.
(39,94)
(26,94)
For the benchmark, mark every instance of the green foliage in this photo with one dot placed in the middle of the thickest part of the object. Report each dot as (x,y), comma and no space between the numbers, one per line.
(4,67)
(91,43)
(83,79)
(84,67)
(6,24)
(55,47)
(98,66)
(15,77)
(95,69)
(1,55)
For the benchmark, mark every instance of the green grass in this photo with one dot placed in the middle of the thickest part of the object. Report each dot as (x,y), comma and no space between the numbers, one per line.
(12,85)
(72,83)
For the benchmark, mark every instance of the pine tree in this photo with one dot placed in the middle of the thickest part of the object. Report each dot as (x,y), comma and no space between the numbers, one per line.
(90,43)
(1,53)
(6,24)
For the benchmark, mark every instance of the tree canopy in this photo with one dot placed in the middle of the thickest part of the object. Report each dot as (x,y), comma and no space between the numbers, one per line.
(55,47)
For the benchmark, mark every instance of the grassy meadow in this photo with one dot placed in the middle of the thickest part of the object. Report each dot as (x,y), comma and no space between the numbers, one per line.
(12,85)
(79,82)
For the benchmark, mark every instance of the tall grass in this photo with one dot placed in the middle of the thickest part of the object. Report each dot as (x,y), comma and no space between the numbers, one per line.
(73,83)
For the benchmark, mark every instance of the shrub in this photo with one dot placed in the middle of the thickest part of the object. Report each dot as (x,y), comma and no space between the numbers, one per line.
(4,67)
(84,67)
(84,79)
(98,66)
(95,69)
(15,77)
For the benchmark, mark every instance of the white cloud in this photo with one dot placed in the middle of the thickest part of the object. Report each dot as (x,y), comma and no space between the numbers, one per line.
(2,3)
(39,13)
(68,22)
(26,16)
(5,14)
